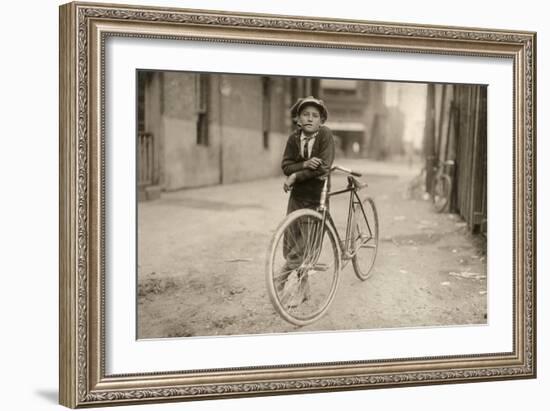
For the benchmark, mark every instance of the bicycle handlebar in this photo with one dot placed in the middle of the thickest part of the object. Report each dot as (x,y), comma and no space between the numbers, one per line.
(346,170)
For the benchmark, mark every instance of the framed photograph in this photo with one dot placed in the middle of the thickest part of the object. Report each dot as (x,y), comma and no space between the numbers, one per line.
(262,204)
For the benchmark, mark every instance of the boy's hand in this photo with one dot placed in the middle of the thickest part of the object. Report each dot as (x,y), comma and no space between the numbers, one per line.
(289,182)
(313,163)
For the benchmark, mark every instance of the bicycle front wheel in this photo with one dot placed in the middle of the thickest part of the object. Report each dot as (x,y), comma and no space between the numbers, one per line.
(364,238)
(303,267)
(441,192)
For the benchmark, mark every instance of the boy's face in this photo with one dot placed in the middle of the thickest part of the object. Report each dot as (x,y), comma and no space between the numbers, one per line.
(310,119)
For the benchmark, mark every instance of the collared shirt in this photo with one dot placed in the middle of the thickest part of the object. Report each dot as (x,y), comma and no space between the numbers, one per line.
(310,140)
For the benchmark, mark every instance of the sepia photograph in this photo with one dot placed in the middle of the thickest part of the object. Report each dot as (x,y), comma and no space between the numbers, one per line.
(269,204)
(272,204)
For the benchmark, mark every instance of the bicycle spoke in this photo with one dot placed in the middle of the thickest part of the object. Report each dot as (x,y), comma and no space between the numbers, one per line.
(313,241)
(283,274)
(305,281)
(308,242)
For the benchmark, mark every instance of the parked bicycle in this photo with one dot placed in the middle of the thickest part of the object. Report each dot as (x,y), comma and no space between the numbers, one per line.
(307,253)
(441,188)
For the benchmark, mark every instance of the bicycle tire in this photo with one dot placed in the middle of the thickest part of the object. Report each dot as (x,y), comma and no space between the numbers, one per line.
(441,192)
(322,281)
(365,232)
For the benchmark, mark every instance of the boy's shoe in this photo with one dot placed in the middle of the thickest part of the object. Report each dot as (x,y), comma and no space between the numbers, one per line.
(302,295)
(296,300)
(286,273)
(288,288)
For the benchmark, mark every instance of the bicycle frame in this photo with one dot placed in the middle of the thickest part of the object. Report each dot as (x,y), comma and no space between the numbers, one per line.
(354,200)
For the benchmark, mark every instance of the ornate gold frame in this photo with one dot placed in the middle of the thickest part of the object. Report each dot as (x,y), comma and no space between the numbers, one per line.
(83,30)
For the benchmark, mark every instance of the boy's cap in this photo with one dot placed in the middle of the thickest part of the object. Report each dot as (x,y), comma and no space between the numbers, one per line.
(301,102)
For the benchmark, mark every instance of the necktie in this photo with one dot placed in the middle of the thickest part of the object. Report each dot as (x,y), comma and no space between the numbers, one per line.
(306,147)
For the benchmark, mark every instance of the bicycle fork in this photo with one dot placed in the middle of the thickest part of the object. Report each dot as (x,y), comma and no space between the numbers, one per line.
(350,225)
(319,232)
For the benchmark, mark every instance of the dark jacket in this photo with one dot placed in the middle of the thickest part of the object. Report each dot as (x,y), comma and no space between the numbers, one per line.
(308,184)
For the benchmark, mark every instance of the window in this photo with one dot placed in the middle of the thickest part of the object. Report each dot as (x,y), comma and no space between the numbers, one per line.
(266,114)
(202,92)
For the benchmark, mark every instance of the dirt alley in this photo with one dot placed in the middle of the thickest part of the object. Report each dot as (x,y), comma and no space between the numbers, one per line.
(201,261)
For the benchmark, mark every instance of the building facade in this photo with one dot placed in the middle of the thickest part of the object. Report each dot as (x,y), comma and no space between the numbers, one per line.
(374,119)
(456,130)
(198,129)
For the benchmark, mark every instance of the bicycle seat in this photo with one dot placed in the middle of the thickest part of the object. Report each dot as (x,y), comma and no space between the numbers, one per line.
(356,183)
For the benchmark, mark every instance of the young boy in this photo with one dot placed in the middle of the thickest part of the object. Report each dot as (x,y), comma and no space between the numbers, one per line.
(303,163)
(307,158)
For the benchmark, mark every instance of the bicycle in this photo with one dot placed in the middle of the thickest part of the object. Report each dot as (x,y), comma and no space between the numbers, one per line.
(442,185)
(306,253)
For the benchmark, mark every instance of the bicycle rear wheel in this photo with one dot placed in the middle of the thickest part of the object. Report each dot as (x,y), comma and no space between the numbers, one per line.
(303,267)
(364,239)
(441,192)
